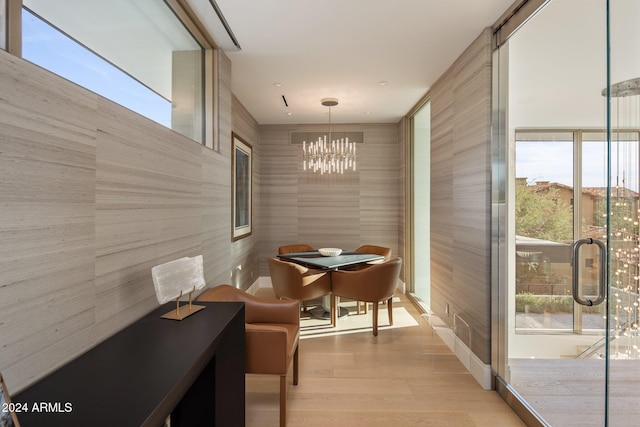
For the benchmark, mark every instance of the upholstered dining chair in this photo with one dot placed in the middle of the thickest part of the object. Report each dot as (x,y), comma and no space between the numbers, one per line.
(299,247)
(272,331)
(374,284)
(378,250)
(371,249)
(294,281)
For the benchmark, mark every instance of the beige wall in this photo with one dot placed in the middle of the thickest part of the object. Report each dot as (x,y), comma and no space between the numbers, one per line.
(460,194)
(346,211)
(93,196)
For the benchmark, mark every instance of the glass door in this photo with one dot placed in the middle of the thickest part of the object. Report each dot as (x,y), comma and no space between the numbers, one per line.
(623,110)
(554,208)
(566,203)
(621,349)
(559,197)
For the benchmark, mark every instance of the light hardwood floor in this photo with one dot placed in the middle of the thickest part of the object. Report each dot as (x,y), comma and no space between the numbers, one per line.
(404,377)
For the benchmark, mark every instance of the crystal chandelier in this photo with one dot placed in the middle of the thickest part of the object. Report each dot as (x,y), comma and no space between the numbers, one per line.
(327,155)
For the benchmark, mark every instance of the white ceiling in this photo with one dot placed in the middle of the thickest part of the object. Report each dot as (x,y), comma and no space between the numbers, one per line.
(344,49)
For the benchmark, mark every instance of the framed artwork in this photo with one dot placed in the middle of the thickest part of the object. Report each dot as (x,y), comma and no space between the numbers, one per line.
(7,408)
(241,170)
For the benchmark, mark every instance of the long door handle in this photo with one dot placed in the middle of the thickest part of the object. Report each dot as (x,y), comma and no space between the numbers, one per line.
(576,272)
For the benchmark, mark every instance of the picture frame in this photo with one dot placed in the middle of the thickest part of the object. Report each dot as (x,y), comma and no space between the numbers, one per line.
(241,188)
(8,416)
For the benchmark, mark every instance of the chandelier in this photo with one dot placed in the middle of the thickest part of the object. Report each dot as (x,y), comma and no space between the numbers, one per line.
(327,155)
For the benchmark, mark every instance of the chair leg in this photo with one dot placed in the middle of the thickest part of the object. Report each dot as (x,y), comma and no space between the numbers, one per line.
(295,367)
(283,400)
(283,389)
(334,310)
(390,310)
(358,306)
(374,307)
(364,304)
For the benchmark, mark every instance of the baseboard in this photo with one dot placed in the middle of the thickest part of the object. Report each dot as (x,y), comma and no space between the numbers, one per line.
(260,282)
(480,371)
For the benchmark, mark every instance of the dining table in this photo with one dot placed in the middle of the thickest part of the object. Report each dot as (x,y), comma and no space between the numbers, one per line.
(314,259)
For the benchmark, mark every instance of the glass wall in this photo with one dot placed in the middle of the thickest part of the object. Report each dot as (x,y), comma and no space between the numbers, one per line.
(3,24)
(421,197)
(567,222)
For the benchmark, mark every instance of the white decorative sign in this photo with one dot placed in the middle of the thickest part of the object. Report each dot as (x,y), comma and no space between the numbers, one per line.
(178,277)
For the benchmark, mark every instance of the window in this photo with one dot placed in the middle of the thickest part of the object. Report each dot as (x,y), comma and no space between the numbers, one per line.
(136,53)
(3,24)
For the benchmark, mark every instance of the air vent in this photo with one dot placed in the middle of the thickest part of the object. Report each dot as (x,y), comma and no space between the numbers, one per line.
(298,137)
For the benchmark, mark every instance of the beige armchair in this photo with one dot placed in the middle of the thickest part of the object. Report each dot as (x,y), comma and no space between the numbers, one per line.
(297,247)
(294,281)
(378,250)
(288,249)
(272,332)
(373,284)
(371,249)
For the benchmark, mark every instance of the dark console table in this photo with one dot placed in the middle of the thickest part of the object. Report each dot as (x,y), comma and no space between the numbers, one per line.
(191,370)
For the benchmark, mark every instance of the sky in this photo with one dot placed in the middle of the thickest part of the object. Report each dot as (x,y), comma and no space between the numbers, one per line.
(553,161)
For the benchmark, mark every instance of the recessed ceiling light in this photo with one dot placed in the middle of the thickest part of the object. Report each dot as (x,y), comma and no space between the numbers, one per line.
(278,84)
(367,113)
(383,83)
(289,113)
